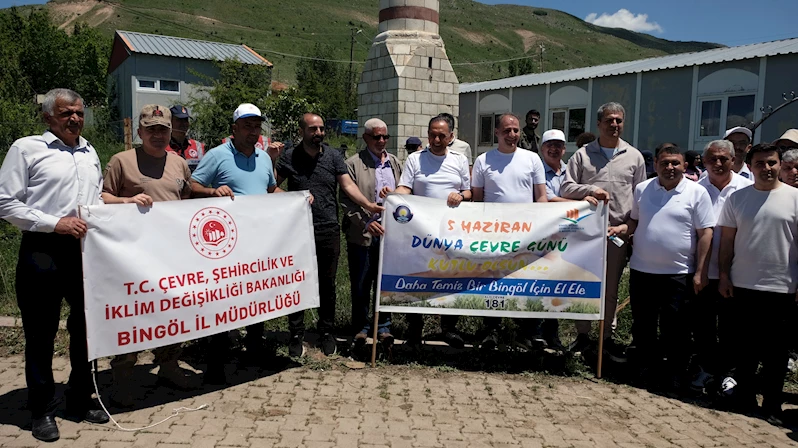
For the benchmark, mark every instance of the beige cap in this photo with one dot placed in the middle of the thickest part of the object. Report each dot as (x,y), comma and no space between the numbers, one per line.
(791,135)
(155,115)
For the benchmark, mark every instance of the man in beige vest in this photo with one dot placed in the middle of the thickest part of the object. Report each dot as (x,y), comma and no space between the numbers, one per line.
(608,169)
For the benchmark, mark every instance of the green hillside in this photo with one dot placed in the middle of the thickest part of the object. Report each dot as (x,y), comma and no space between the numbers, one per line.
(472,31)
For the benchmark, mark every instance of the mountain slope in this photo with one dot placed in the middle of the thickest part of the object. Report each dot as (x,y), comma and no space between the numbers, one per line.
(472,31)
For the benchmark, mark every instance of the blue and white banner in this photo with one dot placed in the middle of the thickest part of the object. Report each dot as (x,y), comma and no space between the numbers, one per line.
(488,259)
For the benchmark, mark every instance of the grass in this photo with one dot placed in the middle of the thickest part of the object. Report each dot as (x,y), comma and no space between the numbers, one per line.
(472,31)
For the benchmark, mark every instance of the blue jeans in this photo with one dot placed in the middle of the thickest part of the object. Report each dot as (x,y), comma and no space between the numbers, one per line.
(363,268)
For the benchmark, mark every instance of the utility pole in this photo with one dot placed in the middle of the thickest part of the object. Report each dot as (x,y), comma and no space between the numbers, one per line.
(354,32)
(542,50)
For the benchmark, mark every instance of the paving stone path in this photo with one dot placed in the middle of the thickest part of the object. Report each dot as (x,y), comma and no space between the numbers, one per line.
(397,407)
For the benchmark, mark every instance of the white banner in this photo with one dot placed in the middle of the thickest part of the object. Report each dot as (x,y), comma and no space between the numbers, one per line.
(181,270)
(488,259)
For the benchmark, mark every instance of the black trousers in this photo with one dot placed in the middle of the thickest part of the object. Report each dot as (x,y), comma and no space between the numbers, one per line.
(762,321)
(709,319)
(661,300)
(328,249)
(50,269)
(363,270)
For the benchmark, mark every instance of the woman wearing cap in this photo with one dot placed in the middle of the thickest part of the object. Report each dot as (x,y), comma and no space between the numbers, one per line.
(151,173)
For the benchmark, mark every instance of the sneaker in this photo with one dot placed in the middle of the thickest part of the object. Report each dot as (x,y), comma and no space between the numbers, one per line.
(453,339)
(329,345)
(490,342)
(524,344)
(700,381)
(616,352)
(539,342)
(554,344)
(581,343)
(296,346)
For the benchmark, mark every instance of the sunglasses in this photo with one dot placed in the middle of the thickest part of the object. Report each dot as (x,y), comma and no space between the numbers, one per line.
(380,137)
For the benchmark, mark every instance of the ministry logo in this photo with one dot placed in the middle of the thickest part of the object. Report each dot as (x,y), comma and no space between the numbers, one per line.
(572,216)
(213,233)
(402,214)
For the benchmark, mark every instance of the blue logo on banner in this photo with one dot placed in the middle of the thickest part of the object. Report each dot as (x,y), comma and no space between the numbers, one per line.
(402,214)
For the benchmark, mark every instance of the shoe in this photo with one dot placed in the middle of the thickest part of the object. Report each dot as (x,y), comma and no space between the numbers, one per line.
(45,429)
(772,415)
(524,344)
(97,416)
(329,345)
(296,346)
(539,342)
(490,342)
(580,344)
(617,353)
(385,338)
(553,343)
(171,375)
(453,339)
(88,412)
(214,375)
(122,398)
(360,340)
(700,381)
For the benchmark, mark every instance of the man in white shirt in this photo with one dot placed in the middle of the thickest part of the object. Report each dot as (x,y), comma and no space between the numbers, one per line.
(43,181)
(758,264)
(740,137)
(708,306)
(507,175)
(672,223)
(436,172)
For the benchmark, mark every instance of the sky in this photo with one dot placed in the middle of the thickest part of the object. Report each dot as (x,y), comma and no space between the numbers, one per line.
(728,22)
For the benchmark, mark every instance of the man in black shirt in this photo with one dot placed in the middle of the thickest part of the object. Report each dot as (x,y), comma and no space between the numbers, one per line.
(315,166)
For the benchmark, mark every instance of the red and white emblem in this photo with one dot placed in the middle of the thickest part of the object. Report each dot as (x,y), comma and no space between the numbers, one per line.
(192,153)
(213,233)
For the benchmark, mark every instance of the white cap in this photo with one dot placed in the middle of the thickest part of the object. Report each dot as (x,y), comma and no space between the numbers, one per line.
(552,134)
(247,110)
(742,129)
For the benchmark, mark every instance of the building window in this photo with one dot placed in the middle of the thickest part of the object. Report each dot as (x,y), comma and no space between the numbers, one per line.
(147,84)
(574,119)
(721,113)
(487,128)
(169,86)
(163,85)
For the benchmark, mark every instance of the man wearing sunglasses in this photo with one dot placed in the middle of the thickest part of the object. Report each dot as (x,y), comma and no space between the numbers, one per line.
(608,169)
(372,170)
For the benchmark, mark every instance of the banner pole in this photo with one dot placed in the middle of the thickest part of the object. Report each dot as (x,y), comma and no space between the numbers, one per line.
(374,339)
(600,349)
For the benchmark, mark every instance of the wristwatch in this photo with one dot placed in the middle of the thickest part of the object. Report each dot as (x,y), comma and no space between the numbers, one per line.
(461,195)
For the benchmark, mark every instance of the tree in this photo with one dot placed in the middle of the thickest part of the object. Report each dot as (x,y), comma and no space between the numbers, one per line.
(237,83)
(284,111)
(326,83)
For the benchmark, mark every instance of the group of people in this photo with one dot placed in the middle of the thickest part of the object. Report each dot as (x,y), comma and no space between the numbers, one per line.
(708,256)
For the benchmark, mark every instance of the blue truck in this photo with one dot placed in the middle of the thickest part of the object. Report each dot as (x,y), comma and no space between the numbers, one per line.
(342,127)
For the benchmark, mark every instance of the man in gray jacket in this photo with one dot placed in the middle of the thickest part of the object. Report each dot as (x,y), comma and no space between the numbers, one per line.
(372,170)
(608,169)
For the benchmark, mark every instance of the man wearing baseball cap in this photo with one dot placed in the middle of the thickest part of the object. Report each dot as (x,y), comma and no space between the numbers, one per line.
(145,175)
(237,167)
(412,144)
(187,148)
(740,137)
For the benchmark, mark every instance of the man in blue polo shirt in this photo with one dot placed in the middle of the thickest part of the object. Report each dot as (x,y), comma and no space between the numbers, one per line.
(237,167)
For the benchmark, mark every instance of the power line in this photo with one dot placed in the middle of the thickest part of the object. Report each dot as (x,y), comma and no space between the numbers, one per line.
(493,62)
